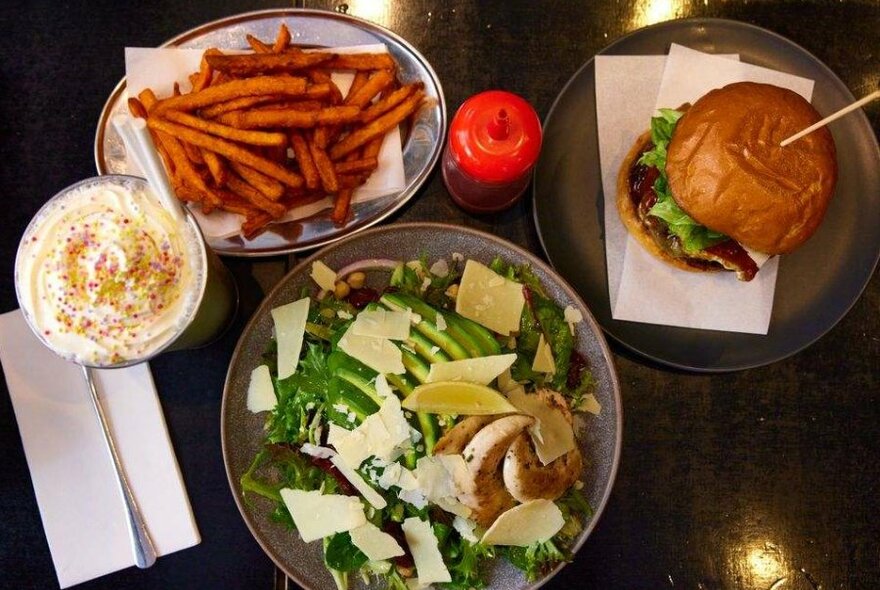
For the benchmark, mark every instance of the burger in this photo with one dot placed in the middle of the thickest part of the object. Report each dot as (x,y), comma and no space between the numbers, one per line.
(708,187)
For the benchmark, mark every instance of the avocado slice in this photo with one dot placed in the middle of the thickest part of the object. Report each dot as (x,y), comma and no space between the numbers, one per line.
(477,340)
(415,366)
(340,391)
(427,349)
(428,424)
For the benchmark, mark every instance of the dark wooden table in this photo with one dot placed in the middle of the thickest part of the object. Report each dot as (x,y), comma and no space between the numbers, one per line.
(763,479)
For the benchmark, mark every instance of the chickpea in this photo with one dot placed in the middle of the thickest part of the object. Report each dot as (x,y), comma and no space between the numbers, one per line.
(452,290)
(328,313)
(356,280)
(405,571)
(342,290)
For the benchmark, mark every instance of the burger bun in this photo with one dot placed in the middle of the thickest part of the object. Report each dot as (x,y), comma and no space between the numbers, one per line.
(727,171)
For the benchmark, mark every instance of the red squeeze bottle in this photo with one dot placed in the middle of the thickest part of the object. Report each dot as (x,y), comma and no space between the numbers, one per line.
(494,142)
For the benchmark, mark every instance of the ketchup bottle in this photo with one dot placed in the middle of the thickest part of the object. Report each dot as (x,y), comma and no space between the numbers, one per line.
(494,141)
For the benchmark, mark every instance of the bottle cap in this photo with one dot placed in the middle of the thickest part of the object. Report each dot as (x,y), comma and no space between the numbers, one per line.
(495,137)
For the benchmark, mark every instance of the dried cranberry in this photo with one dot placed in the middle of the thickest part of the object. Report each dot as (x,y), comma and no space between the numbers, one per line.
(362,297)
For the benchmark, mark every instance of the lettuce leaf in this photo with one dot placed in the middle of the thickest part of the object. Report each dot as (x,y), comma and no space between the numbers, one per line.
(465,561)
(535,560)
(694,236)
(298,396)
(340,554)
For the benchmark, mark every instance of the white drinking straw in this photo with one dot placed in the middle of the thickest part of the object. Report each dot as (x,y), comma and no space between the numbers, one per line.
(139,144)
(858,104)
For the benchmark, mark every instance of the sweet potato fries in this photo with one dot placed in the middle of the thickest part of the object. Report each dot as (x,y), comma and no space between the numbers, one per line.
(262,133)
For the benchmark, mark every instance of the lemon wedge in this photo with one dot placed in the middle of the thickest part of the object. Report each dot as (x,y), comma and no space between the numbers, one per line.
(457,397)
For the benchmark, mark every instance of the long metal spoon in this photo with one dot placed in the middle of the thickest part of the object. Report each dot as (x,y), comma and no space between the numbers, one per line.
(144,552)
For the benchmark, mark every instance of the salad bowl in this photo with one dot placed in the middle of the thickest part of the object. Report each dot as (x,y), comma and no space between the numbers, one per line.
(243,432)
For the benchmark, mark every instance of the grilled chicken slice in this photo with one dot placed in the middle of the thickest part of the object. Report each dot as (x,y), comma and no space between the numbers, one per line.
(525,477)
(457,438)
(484,491)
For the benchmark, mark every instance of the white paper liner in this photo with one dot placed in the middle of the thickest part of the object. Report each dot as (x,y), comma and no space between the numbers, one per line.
(629,89)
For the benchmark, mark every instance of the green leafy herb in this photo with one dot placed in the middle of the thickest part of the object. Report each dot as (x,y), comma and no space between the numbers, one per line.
(541,316)
(340,554)
(276,467)
(499,266)
(586,385)
(575,509)
(395,581)
(410,279)
(694,236)
(406,280)
(535,560)
(281,515)
(442,532)
(464,561)
(558,335)
(330,317)
(298,397)
(521,370)
(340,578)
(250,482)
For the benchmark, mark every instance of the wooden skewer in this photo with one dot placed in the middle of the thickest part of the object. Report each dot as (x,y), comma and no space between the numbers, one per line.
(858,104)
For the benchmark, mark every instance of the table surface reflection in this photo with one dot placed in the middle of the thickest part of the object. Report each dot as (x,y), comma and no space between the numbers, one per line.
(763,479)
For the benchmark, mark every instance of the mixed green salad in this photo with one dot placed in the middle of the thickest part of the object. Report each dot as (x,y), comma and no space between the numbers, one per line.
(413,409)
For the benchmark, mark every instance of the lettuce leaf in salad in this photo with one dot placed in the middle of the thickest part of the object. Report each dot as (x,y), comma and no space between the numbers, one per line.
(575,509)
(541,315)
(278,466)
(465,560)
(536,560)
(522,273)
(439,282)
(694,236)
(412,281)
(329,319)
(340,554)
(299,397)
(579,386)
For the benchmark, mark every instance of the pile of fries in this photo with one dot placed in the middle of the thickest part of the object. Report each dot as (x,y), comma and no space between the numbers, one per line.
(262,133)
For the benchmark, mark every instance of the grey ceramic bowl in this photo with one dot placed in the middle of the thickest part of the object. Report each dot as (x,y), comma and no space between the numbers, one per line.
(242,431)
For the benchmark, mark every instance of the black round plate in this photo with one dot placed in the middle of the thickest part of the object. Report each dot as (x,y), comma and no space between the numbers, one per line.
(816,285)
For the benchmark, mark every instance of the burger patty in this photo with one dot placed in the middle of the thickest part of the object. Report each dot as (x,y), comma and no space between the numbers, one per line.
(726,255)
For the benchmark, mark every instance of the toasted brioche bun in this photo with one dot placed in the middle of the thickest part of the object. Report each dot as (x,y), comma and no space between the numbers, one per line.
(628,214)
(727,171)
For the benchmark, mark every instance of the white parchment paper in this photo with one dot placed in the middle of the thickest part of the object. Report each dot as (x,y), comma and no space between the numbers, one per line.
(628,91)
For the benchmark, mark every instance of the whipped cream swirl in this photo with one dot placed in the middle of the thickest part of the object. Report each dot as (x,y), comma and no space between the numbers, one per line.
(106,276)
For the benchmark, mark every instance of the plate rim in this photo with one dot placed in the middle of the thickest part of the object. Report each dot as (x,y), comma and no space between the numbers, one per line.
(595,328)
(409,192)
(720,22)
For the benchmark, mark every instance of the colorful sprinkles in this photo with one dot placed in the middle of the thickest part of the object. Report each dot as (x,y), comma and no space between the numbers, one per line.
(108,275)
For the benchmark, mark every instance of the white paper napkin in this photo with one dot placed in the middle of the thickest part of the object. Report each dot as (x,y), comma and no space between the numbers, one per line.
(80,505)
(641,288)
(160,68)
